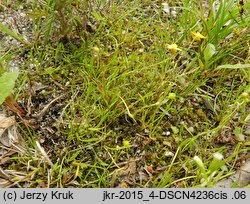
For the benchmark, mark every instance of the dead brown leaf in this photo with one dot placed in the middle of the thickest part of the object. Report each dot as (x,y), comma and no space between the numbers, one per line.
(13,105)
(8,132)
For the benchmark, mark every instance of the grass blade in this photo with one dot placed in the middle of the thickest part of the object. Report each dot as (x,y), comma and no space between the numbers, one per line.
(6,30)
(233,66)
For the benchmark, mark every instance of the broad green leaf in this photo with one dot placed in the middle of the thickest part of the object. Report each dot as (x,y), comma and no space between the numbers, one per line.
(6,30)
(209,52)
(7,83)
(234,66)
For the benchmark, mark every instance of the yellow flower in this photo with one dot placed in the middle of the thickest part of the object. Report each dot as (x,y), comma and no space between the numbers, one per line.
(126,144)
(198,37)
(245,96)
(173,48)
(96,49)
(172,96)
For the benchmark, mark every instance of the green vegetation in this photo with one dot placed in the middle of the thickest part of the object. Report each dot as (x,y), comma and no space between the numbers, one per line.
(7,83)
(132,94)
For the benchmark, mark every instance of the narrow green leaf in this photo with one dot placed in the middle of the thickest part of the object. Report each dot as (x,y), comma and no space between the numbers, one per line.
(200,164)
(234,66)
(6,30)
(98,16)
(7,83)
(216,164)
(73,157)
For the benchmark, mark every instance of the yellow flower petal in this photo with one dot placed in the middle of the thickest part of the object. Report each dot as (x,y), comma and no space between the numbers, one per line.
(197,36)
(173,48)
